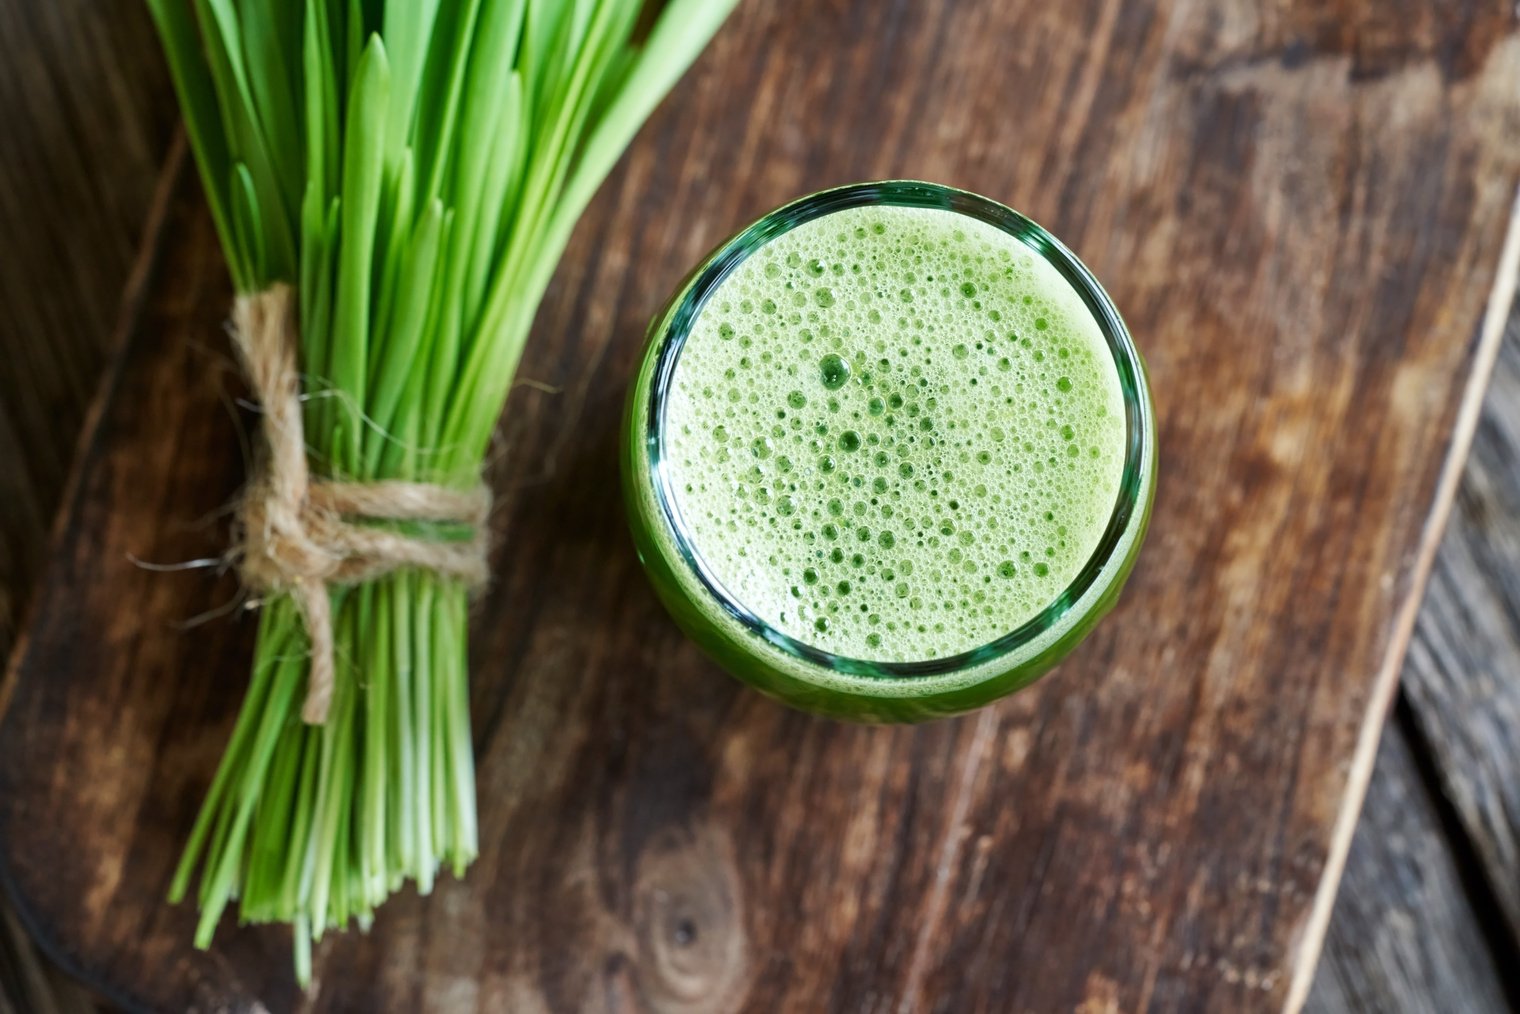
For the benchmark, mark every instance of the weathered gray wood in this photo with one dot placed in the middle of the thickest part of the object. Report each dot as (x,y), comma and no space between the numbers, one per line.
(1404,937)
(1463,671)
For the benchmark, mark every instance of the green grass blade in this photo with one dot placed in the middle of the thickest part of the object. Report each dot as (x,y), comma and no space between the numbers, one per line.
(203,117)
(363,169)
(247,222)
(439,96)
(678,37)
(266,31)
(224,56)
(404,339)
(408,31)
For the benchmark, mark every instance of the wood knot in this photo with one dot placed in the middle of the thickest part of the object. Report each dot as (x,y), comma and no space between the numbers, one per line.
(693,950)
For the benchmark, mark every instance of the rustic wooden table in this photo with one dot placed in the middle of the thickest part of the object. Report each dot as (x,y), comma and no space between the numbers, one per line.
(1302,215)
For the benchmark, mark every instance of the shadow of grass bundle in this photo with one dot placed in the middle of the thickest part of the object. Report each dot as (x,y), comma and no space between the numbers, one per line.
(413,169)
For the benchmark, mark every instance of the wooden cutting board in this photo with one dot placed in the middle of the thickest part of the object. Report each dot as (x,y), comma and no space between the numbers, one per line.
(1300,208)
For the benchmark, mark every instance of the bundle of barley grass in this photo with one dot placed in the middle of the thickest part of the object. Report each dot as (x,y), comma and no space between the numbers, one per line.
(393,182)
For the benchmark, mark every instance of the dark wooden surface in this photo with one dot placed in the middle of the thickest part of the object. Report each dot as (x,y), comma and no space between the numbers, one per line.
(1301,218)
(87,113)
(85,118)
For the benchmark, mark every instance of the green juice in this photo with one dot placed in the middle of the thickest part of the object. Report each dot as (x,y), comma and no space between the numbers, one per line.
(870,465)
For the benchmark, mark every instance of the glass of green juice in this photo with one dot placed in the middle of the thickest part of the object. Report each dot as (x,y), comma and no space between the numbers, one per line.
(890,452)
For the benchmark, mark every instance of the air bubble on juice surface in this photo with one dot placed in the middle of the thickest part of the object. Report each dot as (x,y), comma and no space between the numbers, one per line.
(834,371)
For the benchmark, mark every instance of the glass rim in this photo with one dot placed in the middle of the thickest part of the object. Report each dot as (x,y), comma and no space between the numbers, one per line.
(675,326)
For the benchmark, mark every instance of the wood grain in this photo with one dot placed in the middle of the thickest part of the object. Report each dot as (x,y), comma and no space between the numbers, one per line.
(87,113)
(1404,937)
(1301,220)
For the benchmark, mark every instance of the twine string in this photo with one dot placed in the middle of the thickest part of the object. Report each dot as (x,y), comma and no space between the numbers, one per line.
(298,535)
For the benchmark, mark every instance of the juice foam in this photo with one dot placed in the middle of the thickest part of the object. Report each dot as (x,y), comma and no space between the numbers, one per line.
(895,434)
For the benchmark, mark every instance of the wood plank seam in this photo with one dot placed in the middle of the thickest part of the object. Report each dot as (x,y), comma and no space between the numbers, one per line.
(1403,933)
(1491,333)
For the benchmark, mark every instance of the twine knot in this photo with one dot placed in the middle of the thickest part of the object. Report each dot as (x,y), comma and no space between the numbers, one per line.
(298,535)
